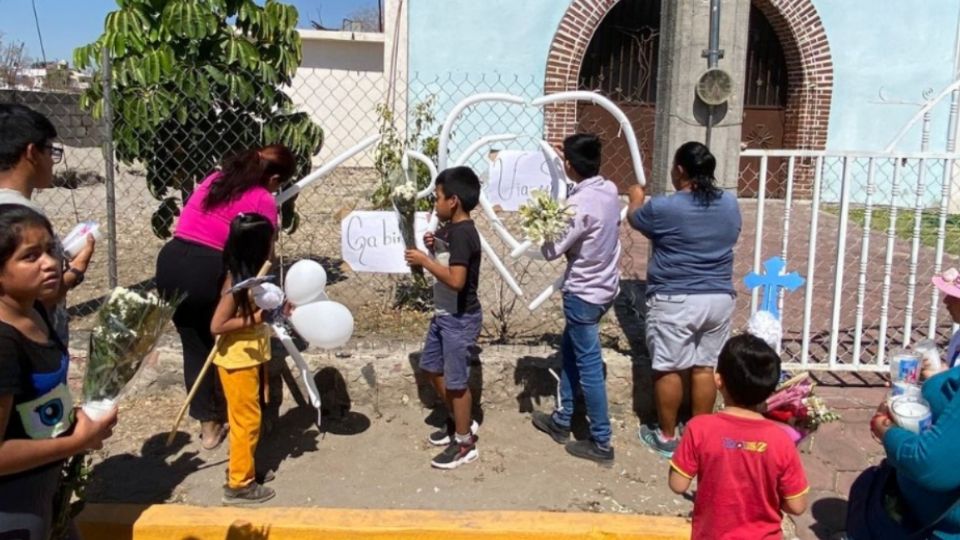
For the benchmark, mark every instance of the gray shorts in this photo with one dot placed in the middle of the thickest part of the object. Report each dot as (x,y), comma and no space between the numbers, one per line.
(447,348)
(687,330)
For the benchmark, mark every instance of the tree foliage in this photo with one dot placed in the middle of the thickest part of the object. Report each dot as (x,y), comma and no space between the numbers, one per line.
(194,81)
(389,152)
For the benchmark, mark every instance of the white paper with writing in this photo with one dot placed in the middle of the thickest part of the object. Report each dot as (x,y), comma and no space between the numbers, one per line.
(513,175)
(371,241)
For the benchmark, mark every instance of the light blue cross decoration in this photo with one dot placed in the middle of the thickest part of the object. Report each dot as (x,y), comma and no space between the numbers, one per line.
(772,280)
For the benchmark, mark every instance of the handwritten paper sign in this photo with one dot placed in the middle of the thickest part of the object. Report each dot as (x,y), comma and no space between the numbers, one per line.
(371,241)
(514,174)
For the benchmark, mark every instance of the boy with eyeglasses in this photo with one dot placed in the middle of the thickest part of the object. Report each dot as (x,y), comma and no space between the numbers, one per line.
(27,156)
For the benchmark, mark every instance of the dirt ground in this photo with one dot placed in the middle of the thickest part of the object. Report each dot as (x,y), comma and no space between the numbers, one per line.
(375,455)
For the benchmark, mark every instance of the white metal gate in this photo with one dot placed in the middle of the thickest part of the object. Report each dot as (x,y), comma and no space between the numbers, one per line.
(867,231)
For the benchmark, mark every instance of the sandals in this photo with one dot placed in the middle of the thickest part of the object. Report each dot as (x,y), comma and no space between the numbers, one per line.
(221,434)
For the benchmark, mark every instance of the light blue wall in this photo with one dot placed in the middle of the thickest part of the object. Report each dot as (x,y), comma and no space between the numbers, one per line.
(904,46)
(510,37)
(461,47)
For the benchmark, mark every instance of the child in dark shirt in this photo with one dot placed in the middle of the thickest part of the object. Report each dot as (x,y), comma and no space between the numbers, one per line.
(456,324)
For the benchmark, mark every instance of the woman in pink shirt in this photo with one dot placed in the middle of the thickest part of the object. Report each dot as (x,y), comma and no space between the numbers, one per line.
(192,263)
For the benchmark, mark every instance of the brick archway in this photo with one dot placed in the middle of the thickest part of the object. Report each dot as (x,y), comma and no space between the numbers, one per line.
(809,70)
(801,34)
(569,45)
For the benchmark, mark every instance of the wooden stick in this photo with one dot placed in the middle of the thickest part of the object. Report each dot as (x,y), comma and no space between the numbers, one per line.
(203,371)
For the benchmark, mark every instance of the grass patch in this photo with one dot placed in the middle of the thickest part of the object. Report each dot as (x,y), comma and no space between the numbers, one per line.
(929,224)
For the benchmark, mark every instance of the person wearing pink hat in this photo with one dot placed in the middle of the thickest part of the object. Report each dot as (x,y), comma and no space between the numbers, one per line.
(949,284)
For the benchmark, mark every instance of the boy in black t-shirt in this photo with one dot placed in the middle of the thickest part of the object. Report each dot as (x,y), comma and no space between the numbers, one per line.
(455,326)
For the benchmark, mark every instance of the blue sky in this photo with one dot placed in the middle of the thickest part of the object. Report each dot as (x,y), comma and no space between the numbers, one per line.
(66,24)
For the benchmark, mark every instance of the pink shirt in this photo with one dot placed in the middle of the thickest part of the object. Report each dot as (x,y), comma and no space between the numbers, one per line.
(211,227)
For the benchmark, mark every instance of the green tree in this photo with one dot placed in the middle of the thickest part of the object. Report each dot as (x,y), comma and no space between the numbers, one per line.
(194,81)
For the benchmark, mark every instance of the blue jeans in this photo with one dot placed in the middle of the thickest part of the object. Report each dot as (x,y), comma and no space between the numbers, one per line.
(583,367)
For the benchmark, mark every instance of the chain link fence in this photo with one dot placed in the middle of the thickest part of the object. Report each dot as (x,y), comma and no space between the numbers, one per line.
(887,250)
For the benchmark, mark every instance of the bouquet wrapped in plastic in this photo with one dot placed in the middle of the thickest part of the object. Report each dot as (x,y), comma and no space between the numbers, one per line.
(404,198)
(797,409)
(128,327)
(543,219)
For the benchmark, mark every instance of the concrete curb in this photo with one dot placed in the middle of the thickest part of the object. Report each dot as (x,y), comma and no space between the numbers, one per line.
(178,522)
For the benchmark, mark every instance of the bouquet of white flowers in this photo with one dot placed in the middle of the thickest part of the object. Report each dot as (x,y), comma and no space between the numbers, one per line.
(543,219)
(404,198)
(127,329)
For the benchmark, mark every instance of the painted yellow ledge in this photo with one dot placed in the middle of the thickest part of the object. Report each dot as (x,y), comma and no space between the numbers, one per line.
(175,522)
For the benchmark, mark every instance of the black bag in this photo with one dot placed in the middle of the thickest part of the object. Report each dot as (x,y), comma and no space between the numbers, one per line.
(867,515)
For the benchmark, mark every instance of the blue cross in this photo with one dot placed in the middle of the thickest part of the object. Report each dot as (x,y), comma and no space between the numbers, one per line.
(772,279)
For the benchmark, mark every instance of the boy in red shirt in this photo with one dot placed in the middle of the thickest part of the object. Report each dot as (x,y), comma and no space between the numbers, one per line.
(747,468)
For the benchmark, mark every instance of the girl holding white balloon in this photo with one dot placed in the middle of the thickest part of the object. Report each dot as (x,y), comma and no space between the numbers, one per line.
(243,349)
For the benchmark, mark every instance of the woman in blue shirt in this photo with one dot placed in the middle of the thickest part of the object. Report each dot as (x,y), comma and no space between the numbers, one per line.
(690,294)
(927,479)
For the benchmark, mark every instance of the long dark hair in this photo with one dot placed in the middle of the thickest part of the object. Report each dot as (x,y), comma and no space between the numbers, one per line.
(248,247)
(699,165)
(248,169)
(14,218)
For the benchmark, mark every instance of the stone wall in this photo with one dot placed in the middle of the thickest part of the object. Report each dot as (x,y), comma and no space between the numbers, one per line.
(75,127)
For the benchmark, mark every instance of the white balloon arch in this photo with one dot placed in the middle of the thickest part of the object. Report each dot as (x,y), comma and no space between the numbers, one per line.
(518,248)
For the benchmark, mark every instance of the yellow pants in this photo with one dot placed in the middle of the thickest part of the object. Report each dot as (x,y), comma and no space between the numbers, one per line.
(242,390)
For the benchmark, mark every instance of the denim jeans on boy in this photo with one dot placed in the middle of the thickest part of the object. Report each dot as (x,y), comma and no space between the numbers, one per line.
(583,367)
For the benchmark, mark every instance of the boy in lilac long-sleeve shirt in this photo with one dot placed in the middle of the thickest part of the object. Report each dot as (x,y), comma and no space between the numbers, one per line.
(591,283)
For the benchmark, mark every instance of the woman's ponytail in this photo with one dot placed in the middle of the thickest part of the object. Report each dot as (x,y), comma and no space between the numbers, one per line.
(699,165)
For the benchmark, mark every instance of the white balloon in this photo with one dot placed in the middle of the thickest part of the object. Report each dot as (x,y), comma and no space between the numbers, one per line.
(267,296)
(324,324)
(305,282)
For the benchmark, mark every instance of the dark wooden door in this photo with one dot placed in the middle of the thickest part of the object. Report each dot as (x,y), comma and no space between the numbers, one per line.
(764,110)
(621,63)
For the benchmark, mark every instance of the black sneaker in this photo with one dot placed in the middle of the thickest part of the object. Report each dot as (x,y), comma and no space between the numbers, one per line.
(589,450)
(443,437)
(457,454)
(253,494)
(545,423)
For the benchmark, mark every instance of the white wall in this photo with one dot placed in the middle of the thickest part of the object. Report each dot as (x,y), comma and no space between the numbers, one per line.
(344,76)
(339,83)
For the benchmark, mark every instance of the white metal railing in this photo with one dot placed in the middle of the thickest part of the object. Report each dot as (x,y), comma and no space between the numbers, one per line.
(875,278)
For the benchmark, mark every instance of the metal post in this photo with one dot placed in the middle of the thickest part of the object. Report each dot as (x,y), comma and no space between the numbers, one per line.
(109,172)
(713,54)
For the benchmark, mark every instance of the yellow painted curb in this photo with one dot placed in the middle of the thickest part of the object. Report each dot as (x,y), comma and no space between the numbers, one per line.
(175,522)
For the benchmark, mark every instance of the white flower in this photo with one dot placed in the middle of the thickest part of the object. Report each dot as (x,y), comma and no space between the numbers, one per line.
(544,219)
(406,191)
(950,275)
(766,327)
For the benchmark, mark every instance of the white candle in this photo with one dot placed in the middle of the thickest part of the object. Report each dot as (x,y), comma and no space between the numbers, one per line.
(911,413)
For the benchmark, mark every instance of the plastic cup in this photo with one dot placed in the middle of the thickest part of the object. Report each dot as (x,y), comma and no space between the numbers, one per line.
(74,242)
(927,350)
(99,409)
(911,413)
